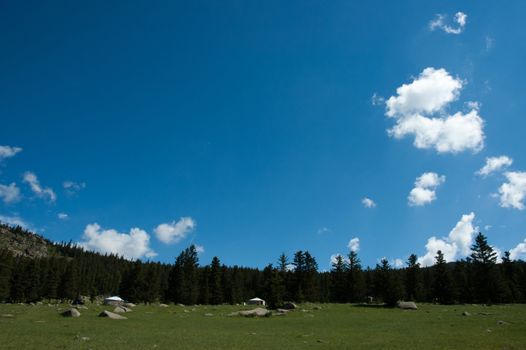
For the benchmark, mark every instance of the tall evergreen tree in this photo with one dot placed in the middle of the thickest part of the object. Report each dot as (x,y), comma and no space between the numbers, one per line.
(483,259)
(442,283)
(413,284)
(339,280)
(355,279)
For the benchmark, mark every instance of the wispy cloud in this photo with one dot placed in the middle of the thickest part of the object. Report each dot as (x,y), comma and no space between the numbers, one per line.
(368,203)
(9,193)
(8,152)
(73,187)
(440,22)
(42,192)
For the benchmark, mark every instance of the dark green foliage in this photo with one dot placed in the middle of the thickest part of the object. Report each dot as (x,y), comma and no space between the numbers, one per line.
(70,271)
(442,283)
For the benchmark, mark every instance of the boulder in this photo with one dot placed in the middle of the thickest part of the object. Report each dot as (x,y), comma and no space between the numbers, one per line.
(71,313)
(289,306)
(257,312)
(465,313)
(121,310)
(129,305)
(407,305)
(163,305)
(112,315)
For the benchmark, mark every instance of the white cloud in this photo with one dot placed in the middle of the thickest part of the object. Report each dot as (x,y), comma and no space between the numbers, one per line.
(175,231)
(8,152)
(456,245)
(199,249)
(494,164)
(519,252)
(9,193)
(440,23)
(354,244)
(419,112)
(424,191)
(73,187)
(397,263)
(368,203)
(134,245)
(490,43)
(334,258)
(14,221)
(42,192)
(62,216)
(512,193)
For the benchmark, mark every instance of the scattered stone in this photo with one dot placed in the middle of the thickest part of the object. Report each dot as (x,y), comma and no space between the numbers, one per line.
(7,315)
(181,305)
(129,305)
(317,308)
(71,313)
(78,307)
(186,311)
(209,315)
(163,305)
(257,312)
(282,311)
(465,313)
(289,306)
(502,322)
(112,315)
(121,310)
(407,305)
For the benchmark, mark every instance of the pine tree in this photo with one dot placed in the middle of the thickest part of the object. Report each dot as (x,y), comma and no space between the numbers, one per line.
(355,279)
(338,280)
(413,284)
(483,259)
(442,283)
(6,266)
(215,285)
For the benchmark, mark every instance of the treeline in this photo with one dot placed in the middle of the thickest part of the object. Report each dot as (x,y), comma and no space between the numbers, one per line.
(72,272)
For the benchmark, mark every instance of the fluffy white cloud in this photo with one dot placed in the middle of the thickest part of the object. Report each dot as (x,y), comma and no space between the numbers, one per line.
(73,187)
(354,244)
(62,216)
(134,245)
(519,252)
(368,203)
(199,249)
(8,152)
(419,112)
(494,164)
(42,192)
(456,245)
(175,231)
(429,93)
(512,193)
(424,191)
(440,23)
(9,193)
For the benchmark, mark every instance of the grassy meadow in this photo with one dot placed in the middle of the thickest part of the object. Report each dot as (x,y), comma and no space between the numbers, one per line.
(325,326)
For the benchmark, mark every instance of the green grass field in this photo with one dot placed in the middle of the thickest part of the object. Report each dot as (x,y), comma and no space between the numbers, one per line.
(332,326)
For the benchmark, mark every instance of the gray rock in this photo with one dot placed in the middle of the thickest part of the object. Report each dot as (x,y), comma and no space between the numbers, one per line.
(121,310)
(7,315)
(465,313)
(209,315)
(289,306)
(407,305)
(257,312)
(71,313)
(129,305)
(112,315)
(163,305)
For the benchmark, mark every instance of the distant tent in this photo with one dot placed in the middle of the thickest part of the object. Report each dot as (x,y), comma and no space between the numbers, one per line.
(114,300)
(256,301)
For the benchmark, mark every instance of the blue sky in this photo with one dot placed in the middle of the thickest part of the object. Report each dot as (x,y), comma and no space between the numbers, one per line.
(252,129)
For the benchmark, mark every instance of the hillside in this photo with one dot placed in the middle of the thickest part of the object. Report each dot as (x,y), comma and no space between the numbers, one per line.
(23,243)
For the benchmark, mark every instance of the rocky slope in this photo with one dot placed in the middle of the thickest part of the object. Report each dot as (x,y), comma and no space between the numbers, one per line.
(21,242)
